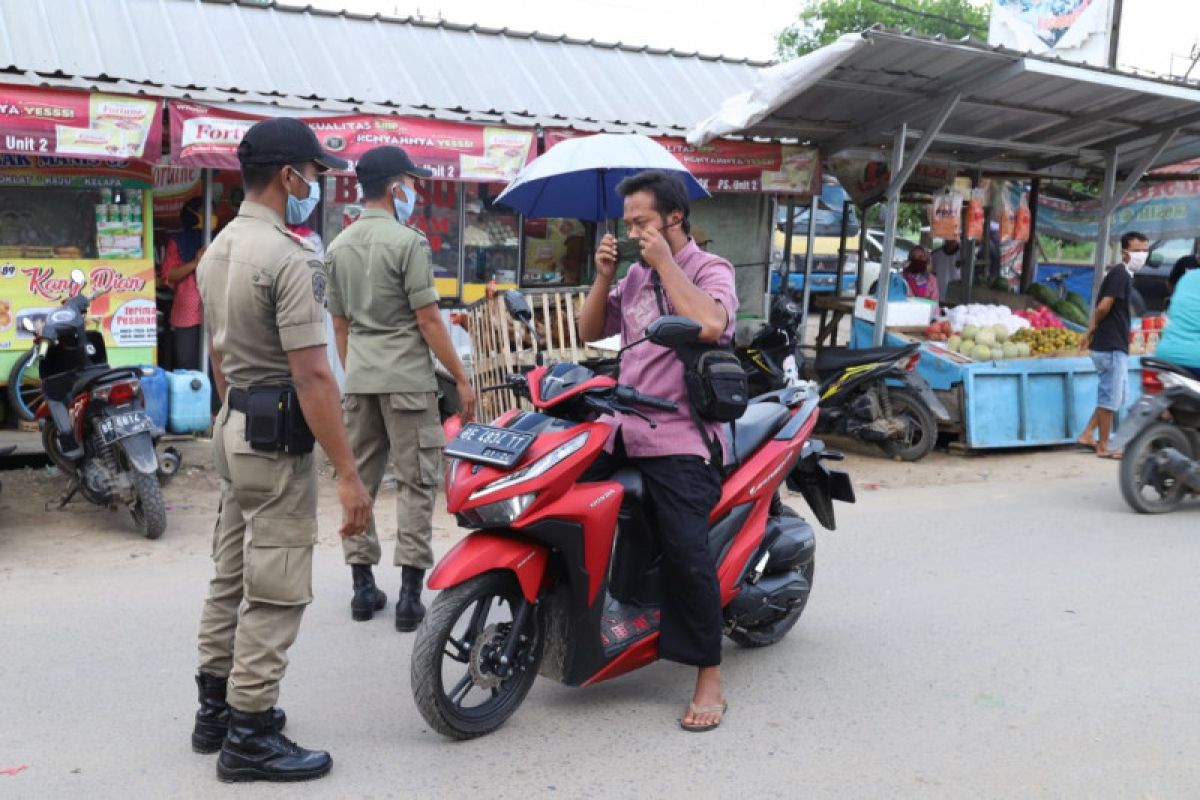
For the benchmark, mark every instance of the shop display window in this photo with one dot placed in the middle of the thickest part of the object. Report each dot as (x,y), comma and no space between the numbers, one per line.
(558,252)
(491,240)
(48,222)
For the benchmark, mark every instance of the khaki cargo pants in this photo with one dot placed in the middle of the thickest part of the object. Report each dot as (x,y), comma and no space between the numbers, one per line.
(407,428)
(262,551)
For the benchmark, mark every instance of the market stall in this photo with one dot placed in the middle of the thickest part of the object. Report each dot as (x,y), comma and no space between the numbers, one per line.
(976,111)
(75,193)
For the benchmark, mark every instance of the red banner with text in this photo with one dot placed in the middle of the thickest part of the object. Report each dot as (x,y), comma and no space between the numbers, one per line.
(725,165)
(203,136)
(56,122)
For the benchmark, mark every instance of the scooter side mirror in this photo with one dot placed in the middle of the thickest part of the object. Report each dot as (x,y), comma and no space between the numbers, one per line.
(28,325)
(77,277)
(517,305)
(673,331)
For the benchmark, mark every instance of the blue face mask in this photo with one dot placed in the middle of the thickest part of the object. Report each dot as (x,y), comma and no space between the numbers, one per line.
(299,210)
(404,208)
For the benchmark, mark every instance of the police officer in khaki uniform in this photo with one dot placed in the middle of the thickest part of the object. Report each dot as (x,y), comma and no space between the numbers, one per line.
(386,321)
(264,303)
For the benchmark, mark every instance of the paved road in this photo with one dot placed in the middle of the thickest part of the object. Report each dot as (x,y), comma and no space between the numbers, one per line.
(987,640)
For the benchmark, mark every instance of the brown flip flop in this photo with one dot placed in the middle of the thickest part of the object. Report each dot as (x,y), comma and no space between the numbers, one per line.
(1109,454)
(696,710)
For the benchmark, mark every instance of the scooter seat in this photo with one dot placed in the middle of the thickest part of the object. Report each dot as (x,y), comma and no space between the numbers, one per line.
(836,359)
(759,422)
(91,375)
(630,479)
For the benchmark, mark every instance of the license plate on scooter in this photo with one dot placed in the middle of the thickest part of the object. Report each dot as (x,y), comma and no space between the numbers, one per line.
(483,444)
(122,425)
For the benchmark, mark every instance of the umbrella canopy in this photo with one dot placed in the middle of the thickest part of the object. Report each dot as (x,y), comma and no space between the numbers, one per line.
(578,178)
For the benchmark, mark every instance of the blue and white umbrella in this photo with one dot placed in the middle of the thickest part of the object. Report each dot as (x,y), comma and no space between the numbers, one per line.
(578,178)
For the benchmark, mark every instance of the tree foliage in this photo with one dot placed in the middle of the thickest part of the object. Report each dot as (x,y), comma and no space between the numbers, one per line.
(823,21)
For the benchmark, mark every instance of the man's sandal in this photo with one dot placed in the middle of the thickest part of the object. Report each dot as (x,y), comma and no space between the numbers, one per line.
(698,710)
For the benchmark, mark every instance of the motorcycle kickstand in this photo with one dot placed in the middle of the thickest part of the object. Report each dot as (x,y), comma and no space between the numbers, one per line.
(66,498)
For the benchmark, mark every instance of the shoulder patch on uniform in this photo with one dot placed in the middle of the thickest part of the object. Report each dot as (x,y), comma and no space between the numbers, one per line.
(318,284)
(314,263)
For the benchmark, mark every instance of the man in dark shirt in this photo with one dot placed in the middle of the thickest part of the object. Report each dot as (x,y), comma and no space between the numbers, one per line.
(1108,339)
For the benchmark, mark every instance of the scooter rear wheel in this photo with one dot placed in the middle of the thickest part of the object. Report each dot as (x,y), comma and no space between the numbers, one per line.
(1165,494)
(922,427)
(457,681)
(148,510)
(771,632)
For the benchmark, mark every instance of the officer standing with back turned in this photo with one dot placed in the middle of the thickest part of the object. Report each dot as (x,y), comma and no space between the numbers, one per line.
(388,328)
(264,304)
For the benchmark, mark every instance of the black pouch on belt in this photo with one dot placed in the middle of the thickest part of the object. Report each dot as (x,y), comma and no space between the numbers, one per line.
(298,438)
(264,417)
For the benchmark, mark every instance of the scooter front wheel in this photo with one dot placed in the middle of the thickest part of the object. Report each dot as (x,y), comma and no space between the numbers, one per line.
(463,682)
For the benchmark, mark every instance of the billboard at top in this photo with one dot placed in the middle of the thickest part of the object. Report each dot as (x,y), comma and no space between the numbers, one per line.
(1074,30)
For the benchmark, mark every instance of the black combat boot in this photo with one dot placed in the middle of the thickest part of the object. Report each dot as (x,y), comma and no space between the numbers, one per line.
(212,718)
(409,611)
(255,751)
(368,598)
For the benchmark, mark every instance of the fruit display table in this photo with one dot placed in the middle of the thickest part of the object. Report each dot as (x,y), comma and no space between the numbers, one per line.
(1018,402)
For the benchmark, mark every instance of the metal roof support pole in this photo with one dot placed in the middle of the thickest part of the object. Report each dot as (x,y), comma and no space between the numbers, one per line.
(860,285)
(809,256)
(1106,206)
(910,162)
(890,218)
(1029,265)
(207,235)
(789,227)
(841,263)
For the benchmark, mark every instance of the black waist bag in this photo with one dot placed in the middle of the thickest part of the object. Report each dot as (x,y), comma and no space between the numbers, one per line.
(716,384)
(274,421)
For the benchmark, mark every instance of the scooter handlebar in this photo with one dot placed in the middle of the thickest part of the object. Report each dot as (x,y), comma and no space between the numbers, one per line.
(630,396)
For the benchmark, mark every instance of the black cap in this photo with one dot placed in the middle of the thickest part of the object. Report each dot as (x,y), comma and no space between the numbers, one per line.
(284,140)
(384,162)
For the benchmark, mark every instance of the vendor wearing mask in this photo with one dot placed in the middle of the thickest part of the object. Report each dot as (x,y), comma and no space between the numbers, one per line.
(916,274)
(1108,339)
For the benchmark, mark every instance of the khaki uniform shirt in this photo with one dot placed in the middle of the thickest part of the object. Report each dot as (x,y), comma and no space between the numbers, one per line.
(379,274)
(263,290)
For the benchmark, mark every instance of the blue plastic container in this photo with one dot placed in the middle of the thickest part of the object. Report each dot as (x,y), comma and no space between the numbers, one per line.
(188,392)
(154,390)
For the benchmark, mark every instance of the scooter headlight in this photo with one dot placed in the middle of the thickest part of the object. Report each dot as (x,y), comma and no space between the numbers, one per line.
(502,512)
(534,470)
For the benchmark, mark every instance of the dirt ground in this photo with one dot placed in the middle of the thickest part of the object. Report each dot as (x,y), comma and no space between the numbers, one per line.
(82,534)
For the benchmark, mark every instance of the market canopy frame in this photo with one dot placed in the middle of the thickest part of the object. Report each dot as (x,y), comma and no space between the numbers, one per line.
(978,109)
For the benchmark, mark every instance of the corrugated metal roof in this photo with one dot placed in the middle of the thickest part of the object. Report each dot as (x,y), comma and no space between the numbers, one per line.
(1018,113)
(290,57)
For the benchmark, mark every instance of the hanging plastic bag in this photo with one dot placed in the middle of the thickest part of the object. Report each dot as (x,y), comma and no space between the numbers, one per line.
(1023,221)
(1008,221)
(975,214)
(945,215)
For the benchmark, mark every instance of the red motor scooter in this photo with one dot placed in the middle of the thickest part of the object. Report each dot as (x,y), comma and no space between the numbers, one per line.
(562,577)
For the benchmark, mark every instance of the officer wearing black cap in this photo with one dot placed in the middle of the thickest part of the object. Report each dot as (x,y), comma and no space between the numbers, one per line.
(388,327)
(263,291)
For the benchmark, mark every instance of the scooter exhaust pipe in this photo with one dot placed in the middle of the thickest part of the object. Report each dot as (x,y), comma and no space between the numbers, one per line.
(1178,466)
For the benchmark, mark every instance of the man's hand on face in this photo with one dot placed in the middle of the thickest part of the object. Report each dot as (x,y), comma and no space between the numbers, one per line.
(656,252)
(606,257)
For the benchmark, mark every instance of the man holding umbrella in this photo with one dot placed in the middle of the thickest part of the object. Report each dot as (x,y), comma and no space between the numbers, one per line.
(674,276)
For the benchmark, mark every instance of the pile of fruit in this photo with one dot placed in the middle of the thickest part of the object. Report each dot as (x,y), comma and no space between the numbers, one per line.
(1073,308)
(989,343)
(985,316)
(938,331)
(1043,341)
(1043,317)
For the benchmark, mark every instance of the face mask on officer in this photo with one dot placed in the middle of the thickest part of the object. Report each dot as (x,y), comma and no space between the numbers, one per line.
(404,207)
(300,209)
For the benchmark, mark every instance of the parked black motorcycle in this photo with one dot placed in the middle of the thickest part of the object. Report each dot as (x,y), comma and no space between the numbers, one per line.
(873,394)
(94,422)
(1160,438)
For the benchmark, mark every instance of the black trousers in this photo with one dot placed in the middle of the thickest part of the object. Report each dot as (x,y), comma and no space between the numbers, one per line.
(680,493)
(185,347)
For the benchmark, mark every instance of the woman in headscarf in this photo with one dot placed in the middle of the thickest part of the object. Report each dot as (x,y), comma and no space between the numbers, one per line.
(921,283)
